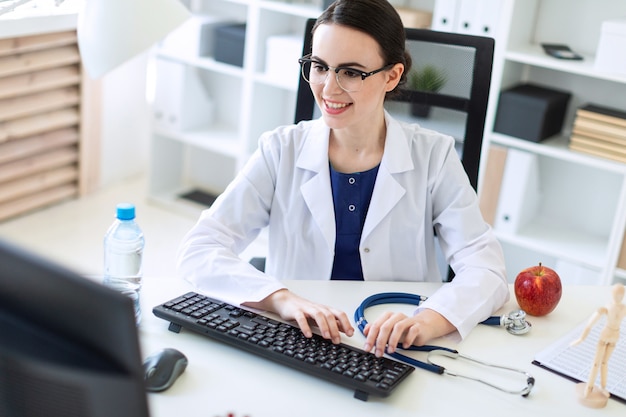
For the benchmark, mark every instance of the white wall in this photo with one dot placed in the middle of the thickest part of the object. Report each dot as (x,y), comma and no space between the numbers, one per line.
(126,127)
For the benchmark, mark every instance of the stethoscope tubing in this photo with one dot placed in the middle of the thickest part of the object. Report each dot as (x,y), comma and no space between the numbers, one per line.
(410,299)
(414,299)
(401,298)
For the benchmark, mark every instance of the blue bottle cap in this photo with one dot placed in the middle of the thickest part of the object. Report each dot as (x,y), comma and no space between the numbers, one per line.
(125,211)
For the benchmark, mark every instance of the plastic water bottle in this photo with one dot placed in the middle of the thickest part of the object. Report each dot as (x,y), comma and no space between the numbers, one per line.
(123,253)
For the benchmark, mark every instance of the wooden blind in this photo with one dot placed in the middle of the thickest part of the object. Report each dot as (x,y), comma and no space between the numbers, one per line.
(40,121)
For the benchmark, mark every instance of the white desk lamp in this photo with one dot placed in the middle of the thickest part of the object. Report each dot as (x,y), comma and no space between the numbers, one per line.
(110,32)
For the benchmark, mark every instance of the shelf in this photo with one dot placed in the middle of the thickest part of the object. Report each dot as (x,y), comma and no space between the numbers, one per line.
(557,147)
(172,200)
(560,242)
(534,55)
(273,81)
(219,139)
(14,24)
(207,63)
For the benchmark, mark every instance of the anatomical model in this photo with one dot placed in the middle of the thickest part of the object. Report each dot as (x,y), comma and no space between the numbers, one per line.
(589,393)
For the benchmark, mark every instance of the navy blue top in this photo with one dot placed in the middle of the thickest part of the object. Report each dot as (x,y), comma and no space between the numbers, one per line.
(351,196)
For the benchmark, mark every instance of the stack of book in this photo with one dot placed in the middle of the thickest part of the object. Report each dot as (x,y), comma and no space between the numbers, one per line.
(600,131)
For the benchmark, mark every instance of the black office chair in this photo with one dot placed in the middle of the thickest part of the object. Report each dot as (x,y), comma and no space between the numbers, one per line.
(458,109)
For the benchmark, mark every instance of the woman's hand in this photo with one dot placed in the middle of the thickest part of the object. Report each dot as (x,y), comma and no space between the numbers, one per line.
(289,306)
(392,329)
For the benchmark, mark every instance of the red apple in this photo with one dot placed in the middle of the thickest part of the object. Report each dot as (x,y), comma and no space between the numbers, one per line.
(538,290)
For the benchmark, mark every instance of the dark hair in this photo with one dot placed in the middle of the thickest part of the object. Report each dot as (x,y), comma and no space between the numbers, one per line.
(380,20)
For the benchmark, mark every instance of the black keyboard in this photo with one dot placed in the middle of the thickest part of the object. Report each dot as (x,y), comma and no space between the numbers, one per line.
(284,343)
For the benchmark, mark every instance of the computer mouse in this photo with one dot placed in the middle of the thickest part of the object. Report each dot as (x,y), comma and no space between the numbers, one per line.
(163,368)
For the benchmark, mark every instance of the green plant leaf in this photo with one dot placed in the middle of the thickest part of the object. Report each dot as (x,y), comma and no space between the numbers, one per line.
(428,78)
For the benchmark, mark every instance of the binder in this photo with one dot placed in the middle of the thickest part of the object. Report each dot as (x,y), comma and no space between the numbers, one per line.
(445,15)
(478,17)
(492,182)
(467,17)
(180,99)
(621,261)
(487,17)
(519,192)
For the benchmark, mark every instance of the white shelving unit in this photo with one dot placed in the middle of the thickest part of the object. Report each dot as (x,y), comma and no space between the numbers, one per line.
(578,221)
(244,101)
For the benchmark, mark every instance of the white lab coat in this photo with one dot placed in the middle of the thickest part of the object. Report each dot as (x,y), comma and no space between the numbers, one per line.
(421,186)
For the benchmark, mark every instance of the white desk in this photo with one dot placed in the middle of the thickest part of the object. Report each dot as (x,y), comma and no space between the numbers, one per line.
(221,379)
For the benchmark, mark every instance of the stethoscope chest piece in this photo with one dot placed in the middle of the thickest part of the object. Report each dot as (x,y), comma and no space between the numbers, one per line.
(515,322)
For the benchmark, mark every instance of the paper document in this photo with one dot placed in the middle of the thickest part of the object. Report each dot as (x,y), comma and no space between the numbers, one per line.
(575,362)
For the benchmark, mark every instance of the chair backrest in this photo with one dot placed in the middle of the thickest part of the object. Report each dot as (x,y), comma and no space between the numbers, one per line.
(459,108)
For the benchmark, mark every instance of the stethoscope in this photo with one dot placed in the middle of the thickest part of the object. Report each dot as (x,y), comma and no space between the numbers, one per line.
(515,323)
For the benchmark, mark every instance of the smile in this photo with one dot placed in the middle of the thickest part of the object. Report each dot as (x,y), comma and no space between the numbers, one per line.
(336,106)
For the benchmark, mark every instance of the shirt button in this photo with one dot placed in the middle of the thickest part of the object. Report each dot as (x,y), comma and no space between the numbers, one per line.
(351,180)
(351,207)
(366,250)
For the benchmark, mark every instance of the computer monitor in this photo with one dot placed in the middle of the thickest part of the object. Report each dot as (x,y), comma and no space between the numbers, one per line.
(68,346)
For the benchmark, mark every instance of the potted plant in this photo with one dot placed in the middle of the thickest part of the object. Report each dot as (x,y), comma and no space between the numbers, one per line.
(428,78)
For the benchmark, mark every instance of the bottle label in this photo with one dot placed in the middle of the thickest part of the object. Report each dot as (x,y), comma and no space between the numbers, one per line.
(125,267)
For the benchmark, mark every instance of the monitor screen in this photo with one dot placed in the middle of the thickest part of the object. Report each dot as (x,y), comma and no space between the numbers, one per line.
(68,346)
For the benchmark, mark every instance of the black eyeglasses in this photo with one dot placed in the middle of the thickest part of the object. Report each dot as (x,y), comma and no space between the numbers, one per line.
(349,79)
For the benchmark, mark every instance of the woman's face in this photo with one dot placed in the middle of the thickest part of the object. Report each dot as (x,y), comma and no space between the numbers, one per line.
(340,46)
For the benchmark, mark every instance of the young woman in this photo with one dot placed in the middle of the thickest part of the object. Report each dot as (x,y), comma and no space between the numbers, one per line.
(355,194)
